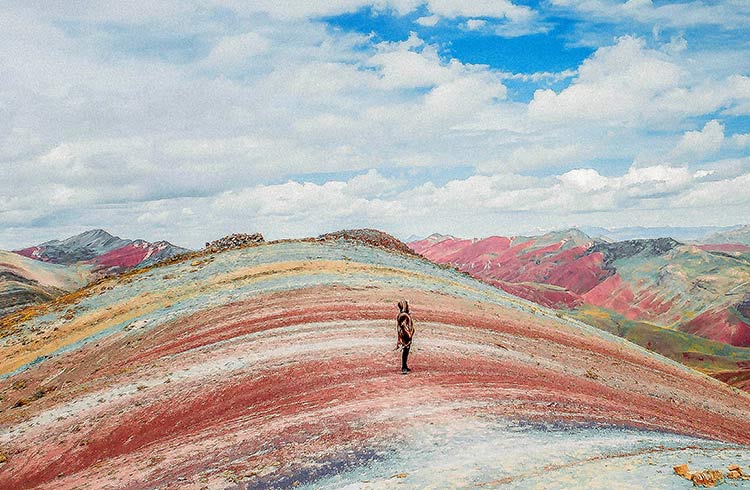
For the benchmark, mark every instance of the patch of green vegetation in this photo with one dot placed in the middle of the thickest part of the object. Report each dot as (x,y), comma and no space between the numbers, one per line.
(693,351)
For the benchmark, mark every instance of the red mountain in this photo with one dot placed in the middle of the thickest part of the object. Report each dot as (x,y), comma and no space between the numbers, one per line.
(685,301)
(102,250)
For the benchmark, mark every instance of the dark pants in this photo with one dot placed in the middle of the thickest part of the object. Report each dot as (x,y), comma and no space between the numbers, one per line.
(404,356)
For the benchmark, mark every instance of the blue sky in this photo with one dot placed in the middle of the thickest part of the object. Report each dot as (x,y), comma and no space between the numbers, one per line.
(188,120)
(543,51)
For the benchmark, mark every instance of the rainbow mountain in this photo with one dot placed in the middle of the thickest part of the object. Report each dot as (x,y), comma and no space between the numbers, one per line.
(273,366)
(690,302)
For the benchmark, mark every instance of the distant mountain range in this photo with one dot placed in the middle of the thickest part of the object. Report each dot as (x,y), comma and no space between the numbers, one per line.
(689,302)
(736,235)
(696,234)
(680,233)
(36,274)
(102,250)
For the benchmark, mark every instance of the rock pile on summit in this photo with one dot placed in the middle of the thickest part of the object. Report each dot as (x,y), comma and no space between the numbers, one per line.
(375,238)
(235,240)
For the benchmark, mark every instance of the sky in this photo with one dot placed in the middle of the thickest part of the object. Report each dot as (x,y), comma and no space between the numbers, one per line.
(189,120)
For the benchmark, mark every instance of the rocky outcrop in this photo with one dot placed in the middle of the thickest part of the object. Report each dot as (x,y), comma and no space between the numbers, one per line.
(368,236)
(743,307)
(630,248)
(233,241)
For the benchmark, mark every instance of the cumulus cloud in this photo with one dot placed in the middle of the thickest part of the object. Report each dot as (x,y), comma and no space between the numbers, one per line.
(233,51)
(630,84)
(475,24)
(730,14)
(411,64)
(617,84)
(131,116)
(428,20)
(740,141)
(733,192)
(696,145)
(480,8)
(503,17)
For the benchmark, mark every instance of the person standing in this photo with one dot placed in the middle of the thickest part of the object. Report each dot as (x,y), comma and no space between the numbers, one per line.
(405,332)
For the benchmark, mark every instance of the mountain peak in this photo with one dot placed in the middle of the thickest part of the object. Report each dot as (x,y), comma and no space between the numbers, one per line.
(439,237)
(93,234)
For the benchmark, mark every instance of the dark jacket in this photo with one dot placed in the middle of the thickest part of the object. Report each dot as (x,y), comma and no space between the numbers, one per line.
(404,325)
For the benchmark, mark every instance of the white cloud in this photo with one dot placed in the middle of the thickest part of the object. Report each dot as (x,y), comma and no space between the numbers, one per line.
(403,67)
(722,193)
(371,184)
(428,21)
(501,9)
(676,45)
(584,179)
(94,133)
(480,8)
(475,24)
(629,84)
(535,156)
(154,218)
(697,145)
(740,141)
(617,84)
(541,76)
(233,51)
(730,14)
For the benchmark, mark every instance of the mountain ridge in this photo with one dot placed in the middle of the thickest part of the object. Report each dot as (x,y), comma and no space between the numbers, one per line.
(665,283)
(94,243)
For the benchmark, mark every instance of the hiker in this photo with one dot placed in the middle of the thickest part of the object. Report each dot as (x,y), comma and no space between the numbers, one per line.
(405,331)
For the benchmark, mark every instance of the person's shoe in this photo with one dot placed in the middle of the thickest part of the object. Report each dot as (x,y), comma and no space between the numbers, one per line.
(405,371)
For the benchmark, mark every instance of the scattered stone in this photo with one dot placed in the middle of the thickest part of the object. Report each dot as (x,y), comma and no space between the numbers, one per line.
(231,476)
(710,478)
(591,374)
(236,240)
(707,478)
(21,403)
(3,458)
(683,471)
(400,475)
(735,473)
